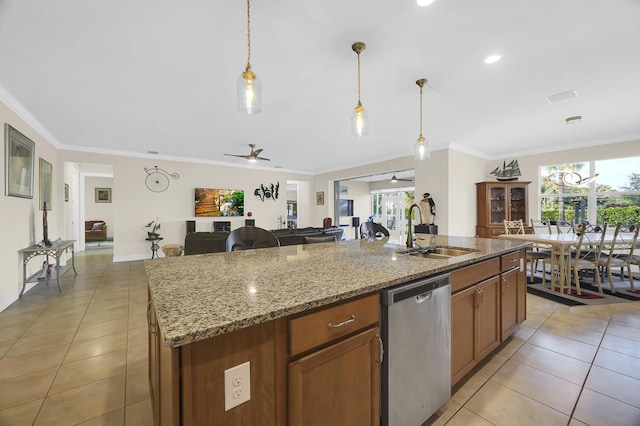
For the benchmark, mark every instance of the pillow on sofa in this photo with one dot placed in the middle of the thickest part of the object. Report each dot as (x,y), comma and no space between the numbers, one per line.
(97,226)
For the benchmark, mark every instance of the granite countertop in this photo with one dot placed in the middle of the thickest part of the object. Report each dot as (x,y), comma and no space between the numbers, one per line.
(202,296)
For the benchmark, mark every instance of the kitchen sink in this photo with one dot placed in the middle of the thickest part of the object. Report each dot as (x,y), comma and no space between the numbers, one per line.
(441,252)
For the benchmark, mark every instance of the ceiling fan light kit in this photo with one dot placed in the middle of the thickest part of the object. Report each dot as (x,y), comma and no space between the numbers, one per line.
(359,117)
(249,87)
(253,156)
(421,146)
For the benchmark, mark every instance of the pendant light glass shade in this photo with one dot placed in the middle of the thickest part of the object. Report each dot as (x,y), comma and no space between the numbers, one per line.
(249,87)
(249,93)
(359,117)
(359,121)
(421,149)
(421,146)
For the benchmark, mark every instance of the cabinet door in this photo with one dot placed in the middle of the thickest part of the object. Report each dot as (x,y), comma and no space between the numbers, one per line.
(498,199)
(518,203)
(463,335)
(488,317)
(508,302)
(522,288)
(338,385)
(154,366)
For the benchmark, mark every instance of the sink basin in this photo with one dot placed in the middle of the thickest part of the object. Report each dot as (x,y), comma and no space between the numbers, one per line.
(437,252)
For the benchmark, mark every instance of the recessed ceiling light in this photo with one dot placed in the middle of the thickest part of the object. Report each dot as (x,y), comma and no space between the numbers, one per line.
(491,59)
(424,2)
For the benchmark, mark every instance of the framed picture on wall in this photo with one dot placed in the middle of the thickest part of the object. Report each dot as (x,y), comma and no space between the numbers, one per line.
(103,195)
(66,192)
(320,198)
(46,183)
(19,154)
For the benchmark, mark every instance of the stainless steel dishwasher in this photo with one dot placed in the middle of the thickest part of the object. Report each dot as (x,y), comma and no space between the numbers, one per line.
(416,330)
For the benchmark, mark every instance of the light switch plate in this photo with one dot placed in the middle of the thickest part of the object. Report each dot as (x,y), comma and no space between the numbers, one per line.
(237,385)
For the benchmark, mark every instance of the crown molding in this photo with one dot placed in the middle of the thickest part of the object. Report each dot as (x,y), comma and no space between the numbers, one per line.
(21,111)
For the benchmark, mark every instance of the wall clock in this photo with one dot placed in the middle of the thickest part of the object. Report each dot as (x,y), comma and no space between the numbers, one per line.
(157,179)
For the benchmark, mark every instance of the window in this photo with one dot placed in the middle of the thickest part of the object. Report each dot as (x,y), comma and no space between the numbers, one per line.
(614,196)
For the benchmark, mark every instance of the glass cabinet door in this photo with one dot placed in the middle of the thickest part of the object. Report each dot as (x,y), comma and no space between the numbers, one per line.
(518,209)
(497,198)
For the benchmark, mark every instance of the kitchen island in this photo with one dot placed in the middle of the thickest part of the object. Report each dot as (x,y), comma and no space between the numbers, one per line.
(211,312)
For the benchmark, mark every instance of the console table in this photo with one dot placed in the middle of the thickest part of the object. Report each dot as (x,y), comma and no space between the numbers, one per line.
(56,250)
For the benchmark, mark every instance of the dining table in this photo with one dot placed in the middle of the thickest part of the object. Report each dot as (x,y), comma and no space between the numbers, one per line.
(561,246)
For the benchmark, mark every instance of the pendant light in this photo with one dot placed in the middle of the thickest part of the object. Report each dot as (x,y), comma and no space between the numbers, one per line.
(421,147)
(571,178)
(359,119)
(249,96)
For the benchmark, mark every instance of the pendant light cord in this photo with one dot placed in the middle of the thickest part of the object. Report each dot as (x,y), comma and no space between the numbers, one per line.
(248,34)
(420,111)
(359,79)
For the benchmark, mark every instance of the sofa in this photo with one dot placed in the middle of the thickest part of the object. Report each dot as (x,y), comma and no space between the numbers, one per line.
(95,230)
(290,237)
(215,242)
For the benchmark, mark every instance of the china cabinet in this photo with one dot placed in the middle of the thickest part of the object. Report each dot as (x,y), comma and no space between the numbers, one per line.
(500,201)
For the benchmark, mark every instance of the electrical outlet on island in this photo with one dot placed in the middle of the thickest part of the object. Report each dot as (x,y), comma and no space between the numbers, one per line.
(237,385)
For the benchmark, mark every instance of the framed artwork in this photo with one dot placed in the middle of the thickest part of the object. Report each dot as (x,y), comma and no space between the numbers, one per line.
(19,154)
(218,202)
(46,183)
(103,195)
(320,198)
(66,192)
(344,190)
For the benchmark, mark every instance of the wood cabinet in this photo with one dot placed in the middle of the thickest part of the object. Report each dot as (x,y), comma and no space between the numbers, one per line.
(334,374)
(475,326)
(163,375)
(339,384)
(500,201)
(486,307)
(302,372)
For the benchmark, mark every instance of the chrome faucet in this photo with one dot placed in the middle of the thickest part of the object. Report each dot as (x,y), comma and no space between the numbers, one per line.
(409,231)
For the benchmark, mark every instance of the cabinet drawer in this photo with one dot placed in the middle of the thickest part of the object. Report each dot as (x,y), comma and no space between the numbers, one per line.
(510,260)
(465,277)
(311,330)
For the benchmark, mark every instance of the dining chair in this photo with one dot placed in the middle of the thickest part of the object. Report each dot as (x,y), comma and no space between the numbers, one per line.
(517,227)
(372,230)
(513,227)
(587,255)
(564,227)
(540,251)
(620,253)
(250,237)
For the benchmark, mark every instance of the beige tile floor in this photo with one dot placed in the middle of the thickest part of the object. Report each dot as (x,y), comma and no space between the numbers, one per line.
(80,357)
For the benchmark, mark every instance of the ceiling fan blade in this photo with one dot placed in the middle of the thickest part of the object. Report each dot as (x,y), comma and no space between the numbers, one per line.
(256,152)
(262,158)
(241,156)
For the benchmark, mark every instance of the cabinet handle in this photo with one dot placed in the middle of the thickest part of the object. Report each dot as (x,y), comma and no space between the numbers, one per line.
(381,350)
(478,298)
(152,326)
(506,285)
(514,260)
(343,323)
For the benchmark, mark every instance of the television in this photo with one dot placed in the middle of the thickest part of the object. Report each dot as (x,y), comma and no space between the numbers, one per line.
(219,202)
(346,207)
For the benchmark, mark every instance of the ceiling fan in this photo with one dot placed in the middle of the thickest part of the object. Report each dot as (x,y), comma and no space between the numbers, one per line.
(253,156)
(394,179)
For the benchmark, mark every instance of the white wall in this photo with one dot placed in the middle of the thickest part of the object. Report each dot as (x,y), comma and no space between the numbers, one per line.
(98,211)
(134,205)
(21,218)
(464,171)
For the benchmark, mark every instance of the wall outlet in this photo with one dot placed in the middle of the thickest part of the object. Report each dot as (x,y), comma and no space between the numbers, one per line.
(237,385)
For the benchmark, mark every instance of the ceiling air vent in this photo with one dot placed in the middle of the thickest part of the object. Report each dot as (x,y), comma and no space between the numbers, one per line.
(561,96)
